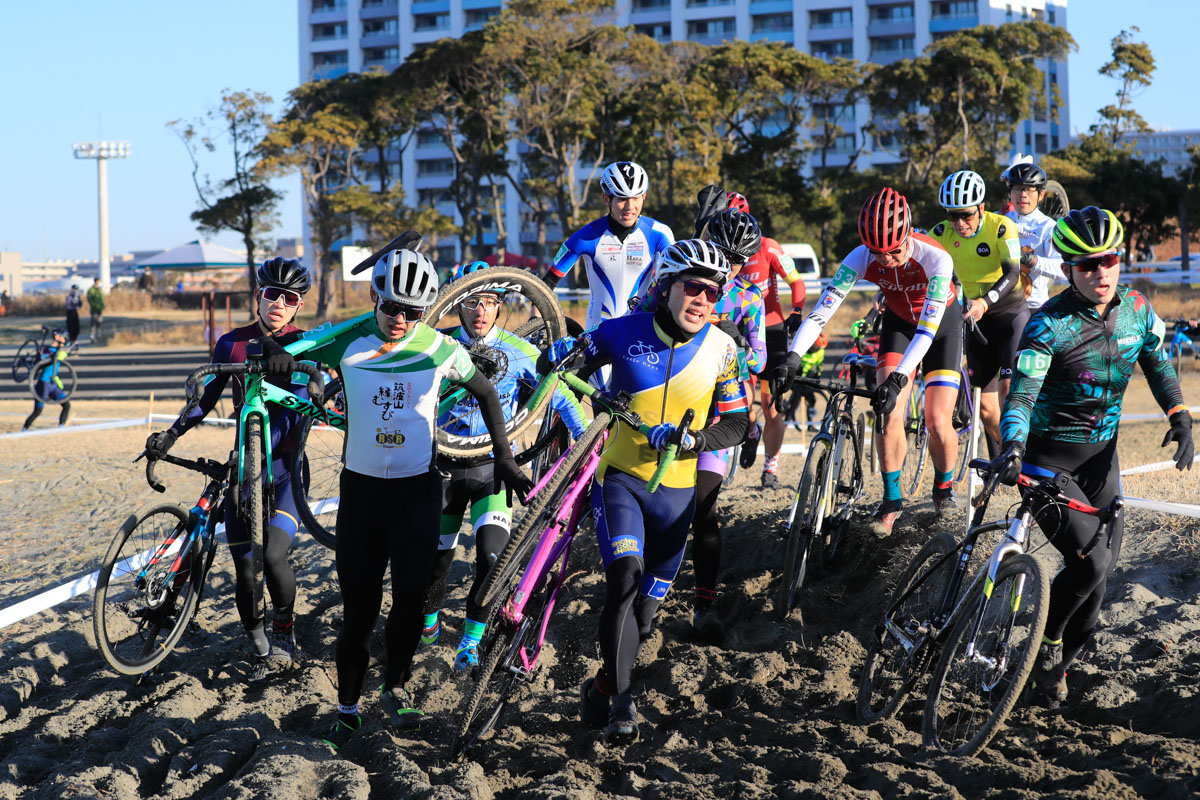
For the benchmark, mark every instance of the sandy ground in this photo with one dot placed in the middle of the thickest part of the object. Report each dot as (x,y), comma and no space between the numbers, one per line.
(767,711)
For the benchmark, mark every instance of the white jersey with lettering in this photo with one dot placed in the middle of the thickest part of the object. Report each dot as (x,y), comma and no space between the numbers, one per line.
(617,270)
(1035,231)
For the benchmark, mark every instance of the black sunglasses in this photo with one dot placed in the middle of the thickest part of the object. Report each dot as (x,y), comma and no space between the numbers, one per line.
(391,308)
(696,288)
(961,216)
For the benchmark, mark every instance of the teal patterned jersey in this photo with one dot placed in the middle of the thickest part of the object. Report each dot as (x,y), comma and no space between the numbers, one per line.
(1073,367)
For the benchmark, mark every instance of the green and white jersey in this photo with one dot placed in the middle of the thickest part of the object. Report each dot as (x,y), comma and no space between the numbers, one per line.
(392,395)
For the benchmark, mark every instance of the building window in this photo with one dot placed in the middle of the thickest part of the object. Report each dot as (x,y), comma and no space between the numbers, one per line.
(1054,141)
(771,22)
(376,27)
(839,49)
(373,3)
(949,9)
(433,197)
(428,138)
(891,14)
(388,57)
(1040,145)
(1028,140)
(1050,16)
(660,31)
(431,22)
(328,5)
(711,29)
(834,113)
(480,16)
(708,3)
(336,59)
(1038,15)
(335,30)
(1008,12)
(435,167)
(643,5)
(831,18)
(893,46)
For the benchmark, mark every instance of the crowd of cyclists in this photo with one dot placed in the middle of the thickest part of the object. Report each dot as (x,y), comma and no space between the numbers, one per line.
(698,323)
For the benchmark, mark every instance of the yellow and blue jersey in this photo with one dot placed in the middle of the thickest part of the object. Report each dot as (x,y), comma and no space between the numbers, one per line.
(665,378)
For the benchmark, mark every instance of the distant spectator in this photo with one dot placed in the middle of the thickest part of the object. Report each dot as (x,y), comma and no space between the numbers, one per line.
(95,298)
(179,287)
(3,302)
(74,303)
(145,281)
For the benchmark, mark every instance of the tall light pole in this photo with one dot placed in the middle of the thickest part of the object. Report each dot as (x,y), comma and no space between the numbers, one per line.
(102,152)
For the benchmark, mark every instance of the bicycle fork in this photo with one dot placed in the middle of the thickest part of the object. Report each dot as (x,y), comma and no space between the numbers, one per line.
(996,662)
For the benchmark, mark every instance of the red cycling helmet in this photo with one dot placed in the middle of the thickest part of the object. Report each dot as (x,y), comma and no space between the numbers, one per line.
(884,223)
(738,202)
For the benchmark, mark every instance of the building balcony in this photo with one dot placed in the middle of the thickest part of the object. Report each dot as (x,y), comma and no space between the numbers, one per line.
(328,16)
(772,7)
(431,7)
(906,27)
(788,37)
(391,39)
(885,57)
(386,64)
(379,9)
(478,5)
(328,71)
(829,34)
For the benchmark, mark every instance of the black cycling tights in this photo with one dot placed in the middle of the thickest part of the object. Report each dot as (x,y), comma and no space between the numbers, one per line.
(706,535)
(625,620)
(1077,592)
(37,412)
(488,541)
(383,521)
(278,574)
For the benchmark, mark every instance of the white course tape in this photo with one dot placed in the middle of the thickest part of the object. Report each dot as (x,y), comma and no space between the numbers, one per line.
(1143,417)
(101,426)
(1158,505)
(1157,466)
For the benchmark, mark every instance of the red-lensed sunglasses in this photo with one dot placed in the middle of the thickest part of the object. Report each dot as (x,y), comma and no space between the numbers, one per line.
(890,253)
(696,288)
(1106,260)
(391,308)
(272,293)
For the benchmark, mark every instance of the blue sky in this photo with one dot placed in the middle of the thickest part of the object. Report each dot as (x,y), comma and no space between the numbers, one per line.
(77,70)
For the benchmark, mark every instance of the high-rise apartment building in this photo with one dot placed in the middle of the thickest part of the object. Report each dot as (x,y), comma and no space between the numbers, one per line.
(337,36)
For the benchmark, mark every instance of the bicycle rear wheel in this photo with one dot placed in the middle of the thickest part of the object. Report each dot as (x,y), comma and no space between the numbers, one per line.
(253,509)
(892,669)
(987,658)
(916,438)
(317,470)
(1055,204)
(141,609)
(804,536)
(844,489)
(524,292)
(538,514)
(66,376)
(28,354)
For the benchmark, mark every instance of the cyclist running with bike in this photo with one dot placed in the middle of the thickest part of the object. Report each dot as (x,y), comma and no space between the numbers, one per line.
(48,386)
(764,269)
(491,513)
(1075,361)
(740,314)
(669,360)
(1041,263)
(282,284)
(914,274)
(393,366)
(987,256)
(618,250)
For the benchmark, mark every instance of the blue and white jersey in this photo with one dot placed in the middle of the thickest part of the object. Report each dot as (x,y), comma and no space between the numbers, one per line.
(1034,231)
(617,270)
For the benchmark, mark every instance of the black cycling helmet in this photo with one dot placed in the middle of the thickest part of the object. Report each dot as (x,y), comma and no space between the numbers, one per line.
(735,232)
(1087,232)
(284,273)
(1025,175)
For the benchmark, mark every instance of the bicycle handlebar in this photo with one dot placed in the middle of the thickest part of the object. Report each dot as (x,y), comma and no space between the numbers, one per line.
(835,388)
(316,382)
(205,466)
(672,450)
(1053,489)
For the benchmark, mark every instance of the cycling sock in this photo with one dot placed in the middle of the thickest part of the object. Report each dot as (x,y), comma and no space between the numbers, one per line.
(943,480)
(282,626)
(704,598)
(771,463)
(472,633)
(1048,640)
(348,712)
(891,485)
(431,620)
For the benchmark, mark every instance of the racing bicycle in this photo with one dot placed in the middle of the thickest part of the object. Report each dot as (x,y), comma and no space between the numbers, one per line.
(980,636)
(1181,343)
(522,600)
(832,482)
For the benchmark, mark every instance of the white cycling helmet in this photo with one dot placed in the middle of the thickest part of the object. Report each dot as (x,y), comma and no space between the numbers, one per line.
(624,179)
(405,276)
(963,189)
(694,256)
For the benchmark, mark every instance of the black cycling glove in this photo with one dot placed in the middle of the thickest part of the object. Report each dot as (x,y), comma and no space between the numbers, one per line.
(1181,434)
(728,327)
(793,322)
(783,377)
(157,444)
(278,360)
(508,476)
(1008,463)
(887,392)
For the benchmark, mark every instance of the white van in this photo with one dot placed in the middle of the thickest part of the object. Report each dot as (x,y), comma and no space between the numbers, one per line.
(805,259)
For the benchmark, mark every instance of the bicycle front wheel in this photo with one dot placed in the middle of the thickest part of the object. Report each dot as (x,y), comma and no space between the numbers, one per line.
(27,355)
(804,536)
(147,589)
(1055,203)
(916,439)
(44,391)
(523,293)
(317,470)
(253,509)
(545,506)
(903,640)
(987,658)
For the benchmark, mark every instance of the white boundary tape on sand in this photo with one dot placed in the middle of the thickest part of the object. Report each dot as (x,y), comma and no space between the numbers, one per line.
(1167,508)
(101,426)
